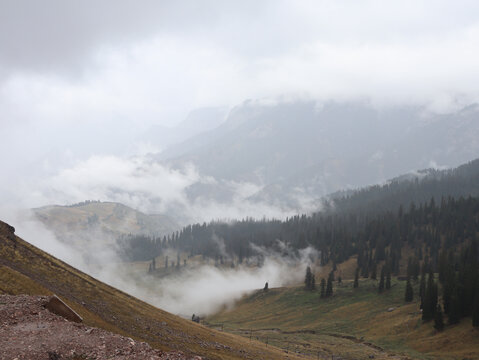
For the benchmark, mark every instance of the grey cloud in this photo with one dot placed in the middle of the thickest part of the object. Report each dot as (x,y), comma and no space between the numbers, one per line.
(56,35)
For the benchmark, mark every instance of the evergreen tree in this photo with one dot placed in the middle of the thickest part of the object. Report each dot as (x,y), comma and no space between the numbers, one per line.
(388,277)
(308,279)
(475,312)
(422,289)
(438,319)
(381,280)
(454,315)
(356,279)
(430,299)
(374,272)
(323,288)
(329,285)
(409,294)
(313,282)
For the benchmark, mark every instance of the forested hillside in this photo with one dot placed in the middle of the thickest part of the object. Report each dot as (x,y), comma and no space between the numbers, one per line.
(417,187)
(385,218)
(383,227)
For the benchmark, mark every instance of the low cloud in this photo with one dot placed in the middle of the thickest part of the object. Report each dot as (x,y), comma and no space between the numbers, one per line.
(200,289)
(151,187)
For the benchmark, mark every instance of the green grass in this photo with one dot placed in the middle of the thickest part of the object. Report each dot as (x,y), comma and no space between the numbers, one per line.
(353,323)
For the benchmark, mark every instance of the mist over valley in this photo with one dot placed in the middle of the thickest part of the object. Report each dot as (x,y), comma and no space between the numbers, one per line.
(218,180)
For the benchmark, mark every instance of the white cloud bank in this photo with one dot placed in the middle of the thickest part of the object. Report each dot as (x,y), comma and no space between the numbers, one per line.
(147,185)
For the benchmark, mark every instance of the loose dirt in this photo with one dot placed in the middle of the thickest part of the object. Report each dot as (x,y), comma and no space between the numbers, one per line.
(29,331)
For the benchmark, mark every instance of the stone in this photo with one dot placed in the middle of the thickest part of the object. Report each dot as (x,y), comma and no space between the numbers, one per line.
(57,306)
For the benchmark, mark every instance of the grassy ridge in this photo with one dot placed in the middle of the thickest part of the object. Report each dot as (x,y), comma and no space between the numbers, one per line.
(354,323)
(24,269)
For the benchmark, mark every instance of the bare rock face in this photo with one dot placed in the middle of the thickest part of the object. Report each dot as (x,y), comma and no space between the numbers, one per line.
(57,306)
(29,330)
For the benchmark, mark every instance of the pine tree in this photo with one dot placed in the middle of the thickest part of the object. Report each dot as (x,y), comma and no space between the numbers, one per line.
(313,282)
(308,278)
(329,285)
(430,298)
(409,294)
(381,280)
(475,312)
(422,289)
(323,288)
(356,279)
(388,277)
(374,272)
(438,319)
(454,315)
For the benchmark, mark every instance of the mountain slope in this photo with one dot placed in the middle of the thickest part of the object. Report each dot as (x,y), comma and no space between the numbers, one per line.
(101,222)
(299,148)
(354,324)
(24,269)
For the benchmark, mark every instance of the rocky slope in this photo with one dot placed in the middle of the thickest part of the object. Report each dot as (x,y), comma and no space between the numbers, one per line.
(25,269)
(30,331)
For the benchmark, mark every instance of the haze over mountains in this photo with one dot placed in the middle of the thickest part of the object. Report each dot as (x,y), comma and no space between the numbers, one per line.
(297,151)
(274,159)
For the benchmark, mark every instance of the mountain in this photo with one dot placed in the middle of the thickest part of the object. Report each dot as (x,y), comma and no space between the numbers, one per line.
(197,122)
(101,223)
(25,269)
(302,150)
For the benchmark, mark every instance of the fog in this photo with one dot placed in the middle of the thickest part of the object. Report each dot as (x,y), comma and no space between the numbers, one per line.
(95,97)
(88,79)
(199,288)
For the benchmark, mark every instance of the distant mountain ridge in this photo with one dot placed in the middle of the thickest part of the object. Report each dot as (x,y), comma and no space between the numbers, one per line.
(304,149)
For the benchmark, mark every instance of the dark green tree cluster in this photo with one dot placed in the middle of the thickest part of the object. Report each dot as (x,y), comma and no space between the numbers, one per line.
(329,285)
(409,293)
(459,277)
(309,280)
(429,299)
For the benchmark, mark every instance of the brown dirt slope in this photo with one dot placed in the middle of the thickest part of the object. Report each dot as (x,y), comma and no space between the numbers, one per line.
(29,331)
(25,269)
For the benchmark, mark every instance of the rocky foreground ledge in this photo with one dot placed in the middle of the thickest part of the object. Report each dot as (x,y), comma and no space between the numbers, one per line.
(28,330)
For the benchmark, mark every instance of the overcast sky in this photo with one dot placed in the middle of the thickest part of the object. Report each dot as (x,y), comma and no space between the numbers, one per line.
(80,79)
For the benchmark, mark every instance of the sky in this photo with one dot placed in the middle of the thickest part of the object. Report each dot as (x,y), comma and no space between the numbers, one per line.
(82,81)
